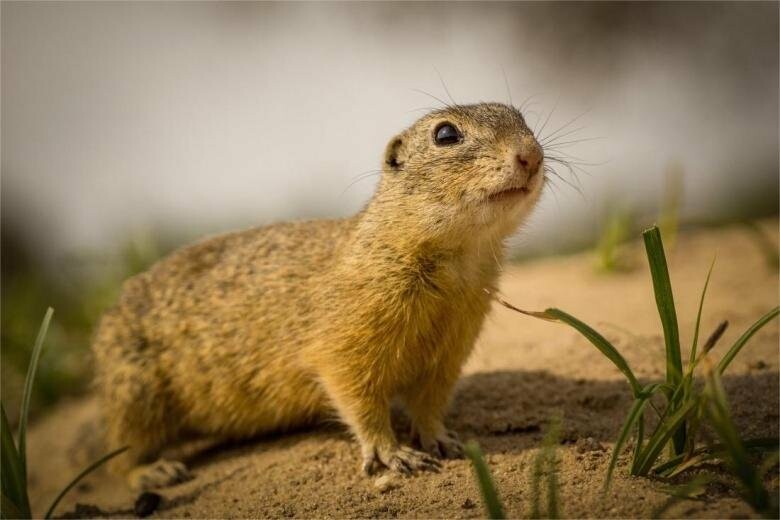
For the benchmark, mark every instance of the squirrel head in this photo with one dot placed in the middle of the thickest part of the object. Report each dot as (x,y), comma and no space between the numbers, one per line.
(474,169)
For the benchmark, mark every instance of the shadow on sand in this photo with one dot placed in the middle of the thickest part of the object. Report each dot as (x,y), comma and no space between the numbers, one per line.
(505,411)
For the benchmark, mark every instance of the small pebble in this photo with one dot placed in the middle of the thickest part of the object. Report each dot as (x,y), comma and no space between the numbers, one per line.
(85,511)
(84,487)
(588,444)
(468,504)
(385,483)
(146,504)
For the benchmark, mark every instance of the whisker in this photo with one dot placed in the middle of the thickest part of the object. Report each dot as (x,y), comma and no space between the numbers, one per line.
(528,100)
(572,121)
(422,109)
(565,155)
(444,103)
(571,185)
(551,140)
(574,142)
(554,189)
(548,116)
(359,177)
(506,84)
(441,79)
(573,170)
(533,113)
(573,173)
(573,162)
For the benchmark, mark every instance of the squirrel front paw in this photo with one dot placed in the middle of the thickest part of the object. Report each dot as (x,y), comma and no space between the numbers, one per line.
(445,445)
(401,459)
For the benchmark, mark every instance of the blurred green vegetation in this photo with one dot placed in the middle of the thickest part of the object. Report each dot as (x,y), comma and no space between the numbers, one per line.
(669,212)
(79,297)
(620,223)
(765,243)
(616,229)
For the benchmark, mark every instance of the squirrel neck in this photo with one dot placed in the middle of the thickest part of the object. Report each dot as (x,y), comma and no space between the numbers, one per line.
(396,228)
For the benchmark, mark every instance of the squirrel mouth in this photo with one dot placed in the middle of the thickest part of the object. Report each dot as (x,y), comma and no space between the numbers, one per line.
(508,194)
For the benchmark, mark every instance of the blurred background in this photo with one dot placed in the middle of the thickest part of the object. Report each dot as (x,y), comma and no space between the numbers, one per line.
(131,128)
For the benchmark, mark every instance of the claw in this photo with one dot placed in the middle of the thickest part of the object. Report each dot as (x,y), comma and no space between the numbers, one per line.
(444,446)
(403,460)
(371,463)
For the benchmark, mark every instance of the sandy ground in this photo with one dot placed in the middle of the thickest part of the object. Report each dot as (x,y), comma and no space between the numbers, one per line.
(521,373)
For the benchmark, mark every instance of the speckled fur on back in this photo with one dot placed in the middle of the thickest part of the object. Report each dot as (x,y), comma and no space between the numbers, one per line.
(276,327)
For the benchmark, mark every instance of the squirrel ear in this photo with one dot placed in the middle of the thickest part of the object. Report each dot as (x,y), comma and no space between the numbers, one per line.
(394,153)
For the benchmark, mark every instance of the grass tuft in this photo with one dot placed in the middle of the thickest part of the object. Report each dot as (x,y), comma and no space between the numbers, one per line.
(545,467)
(15,501)
(735,453)
(543,472)
(687,405)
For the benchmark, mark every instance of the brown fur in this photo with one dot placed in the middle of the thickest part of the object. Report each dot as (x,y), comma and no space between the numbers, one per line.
(276,327)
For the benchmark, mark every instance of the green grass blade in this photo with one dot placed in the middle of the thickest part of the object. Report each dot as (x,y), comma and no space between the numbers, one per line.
(664,299)
(661,437)
(486,485)
(600,343)
(694,423)
(8,509)
(647,393)
(14,482)
(550,444)
(640,438)
(772,460)
(536,477)
(545,465)
(28,383)
(553,488)
(89,469)
(692,358)
(635,414)
(734,350)
(680,463)
(687,491)
(717,410)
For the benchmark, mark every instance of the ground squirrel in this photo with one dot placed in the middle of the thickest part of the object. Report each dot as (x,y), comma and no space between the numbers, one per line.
(277,327)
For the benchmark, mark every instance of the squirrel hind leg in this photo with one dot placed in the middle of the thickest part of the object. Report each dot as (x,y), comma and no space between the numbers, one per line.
(144,439)
(138,415)
(135,403)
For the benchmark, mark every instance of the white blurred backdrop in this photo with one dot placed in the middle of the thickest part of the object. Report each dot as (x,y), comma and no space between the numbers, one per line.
(203,117)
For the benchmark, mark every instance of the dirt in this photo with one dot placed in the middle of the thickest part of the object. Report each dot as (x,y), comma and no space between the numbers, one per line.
(522,372)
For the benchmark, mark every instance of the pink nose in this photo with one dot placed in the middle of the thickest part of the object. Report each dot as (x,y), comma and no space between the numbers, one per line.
(529,157)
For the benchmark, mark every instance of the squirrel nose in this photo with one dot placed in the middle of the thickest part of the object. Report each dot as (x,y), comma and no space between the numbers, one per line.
(529,158)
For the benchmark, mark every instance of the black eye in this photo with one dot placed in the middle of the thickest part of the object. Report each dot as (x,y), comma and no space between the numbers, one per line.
(447,134)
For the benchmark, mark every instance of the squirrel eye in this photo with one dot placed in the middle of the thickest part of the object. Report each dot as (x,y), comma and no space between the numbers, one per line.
(446,134)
